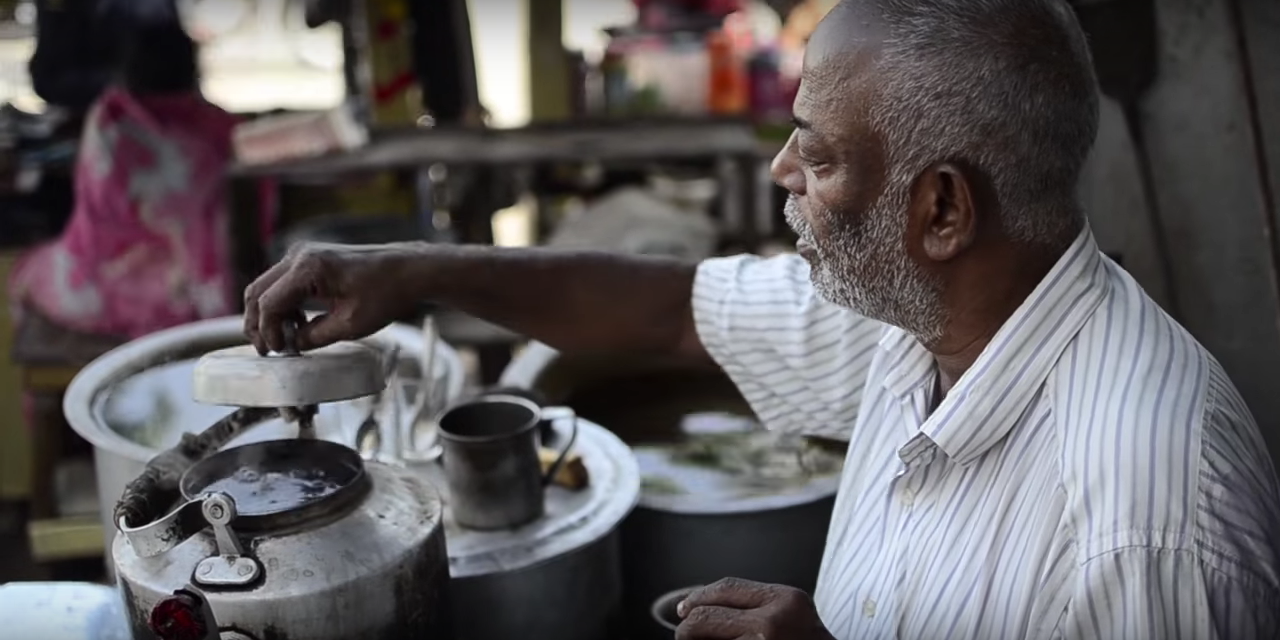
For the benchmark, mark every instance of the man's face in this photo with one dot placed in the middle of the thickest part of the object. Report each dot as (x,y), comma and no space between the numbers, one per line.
(848,209)
(858,262)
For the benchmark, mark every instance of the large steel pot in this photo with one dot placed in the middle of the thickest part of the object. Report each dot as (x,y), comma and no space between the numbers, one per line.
(135,401)
(701,531)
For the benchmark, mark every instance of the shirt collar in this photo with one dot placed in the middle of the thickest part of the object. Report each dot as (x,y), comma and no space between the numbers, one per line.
(993,394)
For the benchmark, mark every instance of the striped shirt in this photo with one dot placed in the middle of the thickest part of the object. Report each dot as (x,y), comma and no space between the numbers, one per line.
(1094,474)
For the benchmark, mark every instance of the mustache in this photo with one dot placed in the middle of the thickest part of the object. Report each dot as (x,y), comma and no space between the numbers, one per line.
(791,209)
(795,219)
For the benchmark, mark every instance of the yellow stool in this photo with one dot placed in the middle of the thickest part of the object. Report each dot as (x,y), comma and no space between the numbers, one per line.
(48,357)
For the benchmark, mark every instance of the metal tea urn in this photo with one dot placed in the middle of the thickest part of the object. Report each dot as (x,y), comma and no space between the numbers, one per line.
(333,548)
(294,539)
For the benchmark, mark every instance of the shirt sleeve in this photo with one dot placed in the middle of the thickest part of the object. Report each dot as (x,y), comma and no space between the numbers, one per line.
(1143,593)
(799,361)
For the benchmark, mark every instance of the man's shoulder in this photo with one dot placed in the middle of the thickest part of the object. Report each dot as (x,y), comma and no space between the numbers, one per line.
(754,275)
(1158,448)
(800,361)
(1238,499)
(770,300)
(1131,362)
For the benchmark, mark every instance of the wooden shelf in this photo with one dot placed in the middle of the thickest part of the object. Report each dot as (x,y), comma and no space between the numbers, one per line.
(582,141)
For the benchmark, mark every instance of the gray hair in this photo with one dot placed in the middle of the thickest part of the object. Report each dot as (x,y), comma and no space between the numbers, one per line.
(1005,86)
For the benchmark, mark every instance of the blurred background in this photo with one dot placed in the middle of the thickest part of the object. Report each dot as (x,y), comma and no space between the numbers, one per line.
(129,205)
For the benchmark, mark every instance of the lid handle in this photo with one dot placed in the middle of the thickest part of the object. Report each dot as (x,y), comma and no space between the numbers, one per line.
(290,332)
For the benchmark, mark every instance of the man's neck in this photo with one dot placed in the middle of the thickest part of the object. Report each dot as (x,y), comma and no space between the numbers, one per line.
(979,302)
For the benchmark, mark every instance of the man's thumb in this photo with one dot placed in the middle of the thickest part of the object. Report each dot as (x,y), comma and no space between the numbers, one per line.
(321,331)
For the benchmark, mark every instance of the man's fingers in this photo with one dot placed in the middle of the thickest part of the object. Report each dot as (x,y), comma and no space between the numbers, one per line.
(730,592)
(252,293)
(280,303)
(714,623)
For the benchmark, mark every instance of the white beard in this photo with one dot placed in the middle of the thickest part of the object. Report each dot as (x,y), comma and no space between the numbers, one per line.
(862,265)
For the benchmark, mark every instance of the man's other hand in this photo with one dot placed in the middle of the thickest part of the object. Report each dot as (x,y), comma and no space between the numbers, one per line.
(364,288)
(733,609)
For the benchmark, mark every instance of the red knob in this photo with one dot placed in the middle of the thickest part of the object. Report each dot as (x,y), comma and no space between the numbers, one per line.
(179,617)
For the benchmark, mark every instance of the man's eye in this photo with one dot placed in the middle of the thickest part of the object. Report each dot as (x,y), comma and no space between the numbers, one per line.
(808,157)
(812,163)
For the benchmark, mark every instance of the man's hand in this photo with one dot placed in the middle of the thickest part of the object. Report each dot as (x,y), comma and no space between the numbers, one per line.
(365,287)
(733,609)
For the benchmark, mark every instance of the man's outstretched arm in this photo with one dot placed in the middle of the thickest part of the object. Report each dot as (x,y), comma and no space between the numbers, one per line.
(575,301)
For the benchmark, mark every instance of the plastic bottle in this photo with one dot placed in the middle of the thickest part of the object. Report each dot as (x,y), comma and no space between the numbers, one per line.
(617,89)
(768,100)
(727,93)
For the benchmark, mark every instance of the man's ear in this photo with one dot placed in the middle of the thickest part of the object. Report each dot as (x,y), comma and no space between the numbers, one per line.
(943,212)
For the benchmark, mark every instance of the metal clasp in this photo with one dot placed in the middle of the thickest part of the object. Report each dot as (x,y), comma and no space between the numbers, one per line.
(231,567)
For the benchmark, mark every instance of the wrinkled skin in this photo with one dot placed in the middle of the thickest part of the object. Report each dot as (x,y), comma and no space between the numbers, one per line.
(359,285)
(733,609)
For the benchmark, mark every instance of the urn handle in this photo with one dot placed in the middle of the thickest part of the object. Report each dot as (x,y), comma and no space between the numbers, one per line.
(159,536)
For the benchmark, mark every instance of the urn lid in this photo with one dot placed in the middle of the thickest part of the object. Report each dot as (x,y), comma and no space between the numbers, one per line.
(281,483)
(239,376)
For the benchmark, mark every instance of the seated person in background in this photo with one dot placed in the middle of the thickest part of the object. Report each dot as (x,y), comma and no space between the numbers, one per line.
(146,247)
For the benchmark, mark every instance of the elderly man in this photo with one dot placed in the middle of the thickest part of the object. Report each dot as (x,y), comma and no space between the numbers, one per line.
(1036,450)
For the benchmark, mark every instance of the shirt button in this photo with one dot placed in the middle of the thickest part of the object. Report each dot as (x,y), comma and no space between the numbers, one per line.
(869,608)
(907,498)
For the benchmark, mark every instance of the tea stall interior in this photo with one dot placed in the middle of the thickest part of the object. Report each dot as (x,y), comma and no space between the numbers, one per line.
(642,140)
(657,179)
(683,176)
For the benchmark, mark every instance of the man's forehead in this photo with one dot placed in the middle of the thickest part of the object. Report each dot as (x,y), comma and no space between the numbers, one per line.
(832,91)
(851,27)
(841,68)
(840,57)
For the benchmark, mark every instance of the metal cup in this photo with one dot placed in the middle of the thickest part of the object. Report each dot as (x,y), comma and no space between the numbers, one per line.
(663,611)
(491,463)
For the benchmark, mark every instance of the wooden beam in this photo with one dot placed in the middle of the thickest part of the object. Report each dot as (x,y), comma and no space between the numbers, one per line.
(1258,25)
(1202,151)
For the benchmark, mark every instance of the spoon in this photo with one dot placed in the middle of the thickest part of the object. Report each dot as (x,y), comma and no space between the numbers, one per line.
(368,438)
(424,441)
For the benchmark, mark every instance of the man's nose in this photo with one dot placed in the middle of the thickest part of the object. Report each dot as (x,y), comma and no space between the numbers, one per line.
(786,168)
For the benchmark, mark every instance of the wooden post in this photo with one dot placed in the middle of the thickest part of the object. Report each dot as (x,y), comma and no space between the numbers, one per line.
(15,444)
(548,68)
